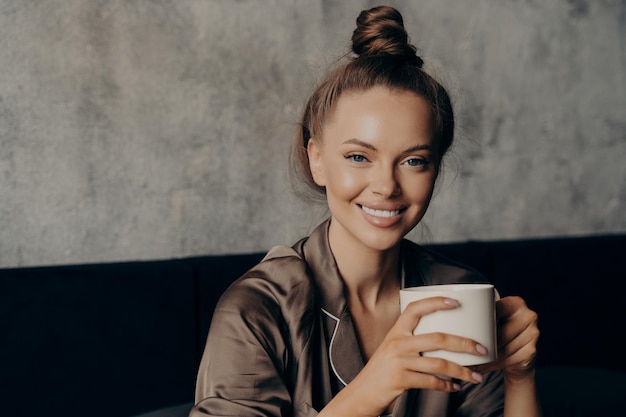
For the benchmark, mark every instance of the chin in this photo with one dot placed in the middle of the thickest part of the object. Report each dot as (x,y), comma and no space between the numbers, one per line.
(382,242)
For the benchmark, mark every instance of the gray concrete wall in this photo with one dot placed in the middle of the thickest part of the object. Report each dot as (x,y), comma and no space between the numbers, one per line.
(157,129)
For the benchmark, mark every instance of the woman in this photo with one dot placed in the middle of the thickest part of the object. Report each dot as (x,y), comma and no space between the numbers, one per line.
(316,329)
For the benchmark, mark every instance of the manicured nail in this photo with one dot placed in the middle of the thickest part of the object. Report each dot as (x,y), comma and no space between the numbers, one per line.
(451,302)
(477,377)
(456,387)
(481,349)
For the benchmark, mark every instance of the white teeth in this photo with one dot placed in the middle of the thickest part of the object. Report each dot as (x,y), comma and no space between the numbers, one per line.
(380,213)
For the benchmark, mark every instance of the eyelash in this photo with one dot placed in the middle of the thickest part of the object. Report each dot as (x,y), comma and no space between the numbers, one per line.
(354,156)
(420,162)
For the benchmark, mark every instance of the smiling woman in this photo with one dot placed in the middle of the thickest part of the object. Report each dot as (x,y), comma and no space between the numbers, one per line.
(316,328)
(375,161)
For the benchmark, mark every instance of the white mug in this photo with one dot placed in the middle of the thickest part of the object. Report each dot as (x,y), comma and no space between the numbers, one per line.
(475,318)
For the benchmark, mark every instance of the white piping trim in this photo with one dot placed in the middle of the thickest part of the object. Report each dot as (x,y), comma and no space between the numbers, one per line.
(330,315)
(330,348)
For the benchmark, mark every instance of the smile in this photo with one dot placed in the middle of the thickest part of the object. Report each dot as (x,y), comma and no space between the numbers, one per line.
(380,213)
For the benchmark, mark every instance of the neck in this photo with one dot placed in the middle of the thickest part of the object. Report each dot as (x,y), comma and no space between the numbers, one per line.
(370,276)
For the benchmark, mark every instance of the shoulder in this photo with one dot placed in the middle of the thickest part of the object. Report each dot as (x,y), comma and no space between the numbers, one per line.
(280,285)
(435,268)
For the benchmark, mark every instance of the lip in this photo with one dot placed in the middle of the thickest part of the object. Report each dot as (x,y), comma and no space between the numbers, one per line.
(382,215)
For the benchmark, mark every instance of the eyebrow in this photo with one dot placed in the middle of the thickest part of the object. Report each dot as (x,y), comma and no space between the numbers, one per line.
(373,148)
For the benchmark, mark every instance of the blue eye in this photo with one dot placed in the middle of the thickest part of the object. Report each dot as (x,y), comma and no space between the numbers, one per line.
(415,162)
(356,157)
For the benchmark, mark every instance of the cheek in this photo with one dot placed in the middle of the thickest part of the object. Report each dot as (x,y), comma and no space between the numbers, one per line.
(421,189)
(343,183)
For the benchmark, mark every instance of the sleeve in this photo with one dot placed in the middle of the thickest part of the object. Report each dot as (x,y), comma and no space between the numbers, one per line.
(245,366)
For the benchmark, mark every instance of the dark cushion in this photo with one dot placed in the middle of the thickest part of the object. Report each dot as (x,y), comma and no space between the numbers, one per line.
(174,411)
(580,392)
(93,340)
(578,288)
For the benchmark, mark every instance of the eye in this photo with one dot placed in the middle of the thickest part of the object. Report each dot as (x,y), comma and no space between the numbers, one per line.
(416,162)
(355,157)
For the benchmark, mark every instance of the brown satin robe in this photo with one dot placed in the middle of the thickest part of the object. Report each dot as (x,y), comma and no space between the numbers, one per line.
(282,342)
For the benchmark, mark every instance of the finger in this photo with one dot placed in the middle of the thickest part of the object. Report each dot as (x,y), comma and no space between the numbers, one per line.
(431,381)
(414,311)
(524,358)
(507,306)
(442,368)
(520,322)
(521,349)
(444,341)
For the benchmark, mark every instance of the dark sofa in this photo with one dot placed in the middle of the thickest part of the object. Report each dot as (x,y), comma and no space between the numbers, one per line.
(122,339)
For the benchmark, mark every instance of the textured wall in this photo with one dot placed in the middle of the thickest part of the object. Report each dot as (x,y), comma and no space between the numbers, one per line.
(156,129)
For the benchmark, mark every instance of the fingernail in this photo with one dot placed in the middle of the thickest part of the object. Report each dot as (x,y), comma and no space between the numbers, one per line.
(456,387)
(481,349)
(477,377)
(451,302)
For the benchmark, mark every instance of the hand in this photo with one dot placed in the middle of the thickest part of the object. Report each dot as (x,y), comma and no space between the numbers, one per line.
(517,340)
(397,364)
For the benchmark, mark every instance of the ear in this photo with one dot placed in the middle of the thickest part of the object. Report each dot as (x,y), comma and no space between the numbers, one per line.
(314,153)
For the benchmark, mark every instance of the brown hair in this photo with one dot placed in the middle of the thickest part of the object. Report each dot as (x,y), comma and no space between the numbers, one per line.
(383,57)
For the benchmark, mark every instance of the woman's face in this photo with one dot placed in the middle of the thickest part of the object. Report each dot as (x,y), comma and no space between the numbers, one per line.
(377,160)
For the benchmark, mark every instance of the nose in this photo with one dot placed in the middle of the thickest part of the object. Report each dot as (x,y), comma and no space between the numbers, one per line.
(384,181)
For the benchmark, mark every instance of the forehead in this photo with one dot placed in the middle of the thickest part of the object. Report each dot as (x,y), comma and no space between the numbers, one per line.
(380,113)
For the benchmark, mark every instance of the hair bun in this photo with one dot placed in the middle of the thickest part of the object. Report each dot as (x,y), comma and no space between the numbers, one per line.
(380,31)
